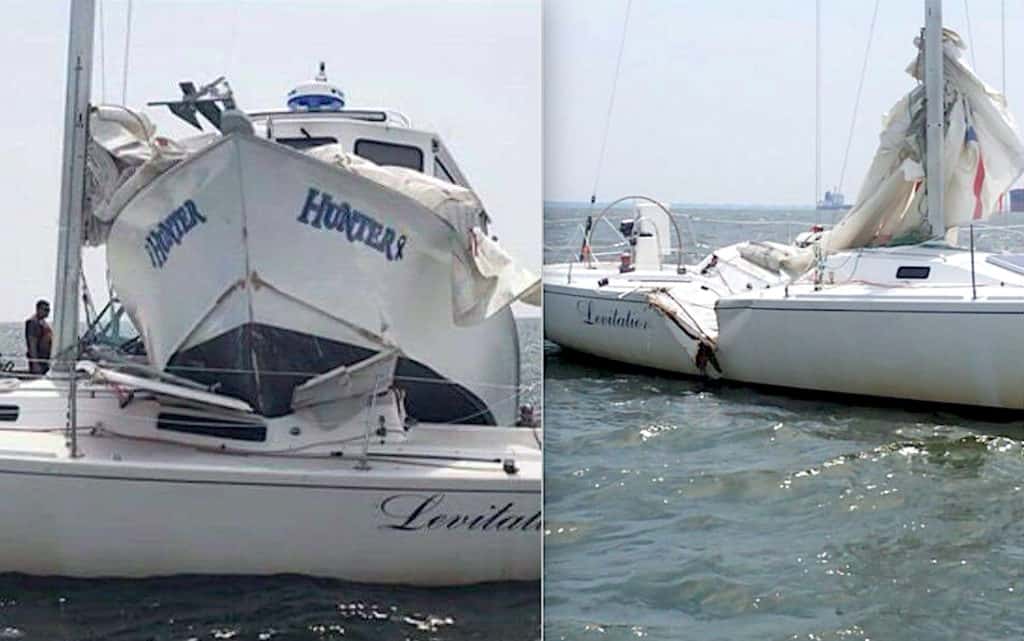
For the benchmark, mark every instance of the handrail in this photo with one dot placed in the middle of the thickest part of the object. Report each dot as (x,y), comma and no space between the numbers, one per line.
(679,236)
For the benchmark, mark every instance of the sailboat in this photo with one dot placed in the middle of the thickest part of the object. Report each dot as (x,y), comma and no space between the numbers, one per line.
(885,304)
(325,359)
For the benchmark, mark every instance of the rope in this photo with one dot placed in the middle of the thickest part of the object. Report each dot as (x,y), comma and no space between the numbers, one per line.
(127,51)
(103,63)
(860,89)
(1002,24)
(970,35)
(817,109)
(611,106)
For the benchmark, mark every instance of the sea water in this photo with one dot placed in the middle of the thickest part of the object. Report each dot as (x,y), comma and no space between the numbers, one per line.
(678,509)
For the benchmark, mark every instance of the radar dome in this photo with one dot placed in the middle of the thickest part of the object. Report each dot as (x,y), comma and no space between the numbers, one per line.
(316,95)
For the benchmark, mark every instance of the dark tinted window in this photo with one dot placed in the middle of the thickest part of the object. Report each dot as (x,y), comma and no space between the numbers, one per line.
(8,412)
(913,272)
(440,171)
(390,154)
(215,427)
(307,143)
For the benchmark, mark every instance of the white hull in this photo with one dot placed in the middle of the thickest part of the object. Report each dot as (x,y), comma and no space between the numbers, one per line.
(863,333)
(933,350)
(603,324)
(436,508)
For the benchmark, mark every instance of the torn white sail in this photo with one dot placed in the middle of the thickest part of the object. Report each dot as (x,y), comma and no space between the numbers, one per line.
(982,157)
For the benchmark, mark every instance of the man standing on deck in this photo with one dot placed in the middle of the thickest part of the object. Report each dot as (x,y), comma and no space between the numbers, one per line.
(39,339)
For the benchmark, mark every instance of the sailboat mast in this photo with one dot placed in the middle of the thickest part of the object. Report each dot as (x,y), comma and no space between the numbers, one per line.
(72,185)
(817,101)
(934,119)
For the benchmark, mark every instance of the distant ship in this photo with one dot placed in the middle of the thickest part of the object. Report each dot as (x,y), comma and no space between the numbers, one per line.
(833,200)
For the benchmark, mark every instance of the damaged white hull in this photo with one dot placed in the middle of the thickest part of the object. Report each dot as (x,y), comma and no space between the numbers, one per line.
(448,505)
(255,267)
(618,324)
(862,331)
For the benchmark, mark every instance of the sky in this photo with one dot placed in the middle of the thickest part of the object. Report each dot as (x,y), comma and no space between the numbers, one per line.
(471,71)
(715,100)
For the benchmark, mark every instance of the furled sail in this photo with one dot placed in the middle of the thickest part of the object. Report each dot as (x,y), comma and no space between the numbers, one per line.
(982,157)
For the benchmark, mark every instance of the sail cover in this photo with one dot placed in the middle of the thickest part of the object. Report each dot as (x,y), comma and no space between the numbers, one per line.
(982,157)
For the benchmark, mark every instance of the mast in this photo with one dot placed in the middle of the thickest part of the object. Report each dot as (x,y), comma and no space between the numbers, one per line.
(817,102)
(934,90)
(72,185)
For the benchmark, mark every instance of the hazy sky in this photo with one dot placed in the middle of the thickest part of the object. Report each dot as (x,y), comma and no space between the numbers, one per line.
(715,100)
(469,70)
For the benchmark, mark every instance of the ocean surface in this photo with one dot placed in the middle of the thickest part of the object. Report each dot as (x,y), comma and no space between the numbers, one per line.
(678,509)
(282,608)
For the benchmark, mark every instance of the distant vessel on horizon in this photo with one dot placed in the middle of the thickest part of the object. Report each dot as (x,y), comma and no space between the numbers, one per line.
(833,199)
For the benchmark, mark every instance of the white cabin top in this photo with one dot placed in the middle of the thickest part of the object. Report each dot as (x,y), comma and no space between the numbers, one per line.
(316,115)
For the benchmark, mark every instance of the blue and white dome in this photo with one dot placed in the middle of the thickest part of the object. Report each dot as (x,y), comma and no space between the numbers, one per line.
(316,95)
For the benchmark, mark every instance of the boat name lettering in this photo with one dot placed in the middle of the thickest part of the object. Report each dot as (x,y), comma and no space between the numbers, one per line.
(169,232)
(424,512)
(615,318)
(355,225)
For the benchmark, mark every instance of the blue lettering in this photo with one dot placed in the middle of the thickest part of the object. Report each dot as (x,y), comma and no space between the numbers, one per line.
(310,205)
(373,235)
(389,237)
(320,211)
(170,231)
(325,203)
(344,218)
(196,217)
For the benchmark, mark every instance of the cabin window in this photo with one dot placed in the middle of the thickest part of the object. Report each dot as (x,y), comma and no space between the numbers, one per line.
(440,171)
(211,426)
(913,272)
(9,412)
(307,142)
(390,154)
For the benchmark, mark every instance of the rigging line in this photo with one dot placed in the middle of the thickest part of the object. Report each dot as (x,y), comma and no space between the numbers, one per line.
(817,108)
(1002,24)
(127,49)
(1004,199)
(231,49)
(860,89)
(611,105)
(103,59)
(970,35)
